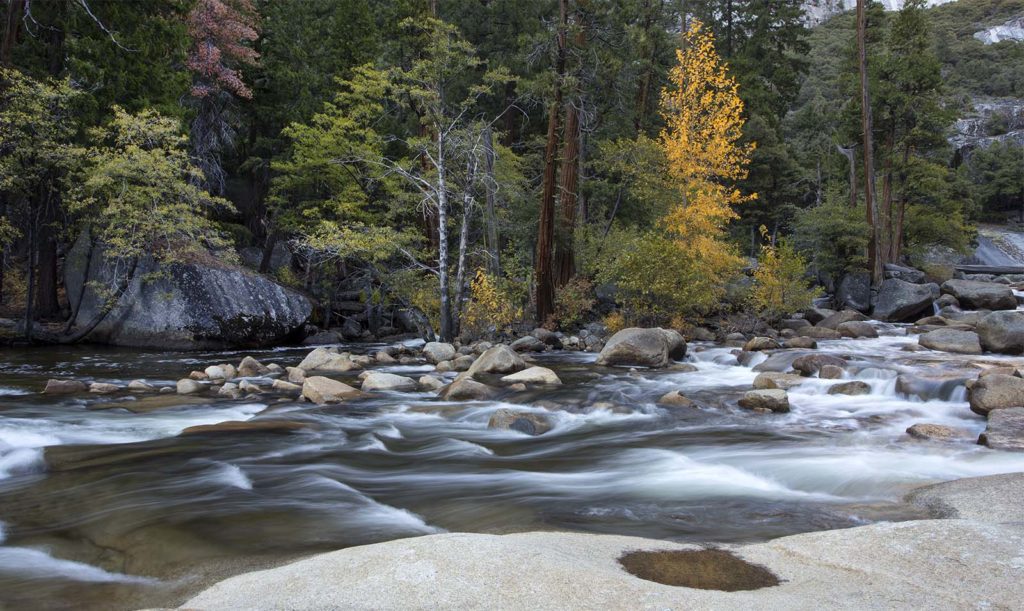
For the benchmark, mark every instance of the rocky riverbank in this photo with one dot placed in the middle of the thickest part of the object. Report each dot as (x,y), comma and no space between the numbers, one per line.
(970,560)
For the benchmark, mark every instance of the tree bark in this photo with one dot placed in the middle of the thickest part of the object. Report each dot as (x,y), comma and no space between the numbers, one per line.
(47,300)
(874,260)
(467,214)
(491,216)
(447,332)
(565,263)
(546,226)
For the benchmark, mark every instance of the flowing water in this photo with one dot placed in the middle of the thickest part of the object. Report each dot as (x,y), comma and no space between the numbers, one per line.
(102,507)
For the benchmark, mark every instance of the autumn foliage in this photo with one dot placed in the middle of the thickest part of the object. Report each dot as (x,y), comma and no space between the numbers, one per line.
(220,31)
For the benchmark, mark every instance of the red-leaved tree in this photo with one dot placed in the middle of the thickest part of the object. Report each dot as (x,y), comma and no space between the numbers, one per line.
(221,32)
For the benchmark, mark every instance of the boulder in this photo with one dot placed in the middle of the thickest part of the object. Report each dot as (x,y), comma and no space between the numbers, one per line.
(935,432)
(377,380)
(994,392)
(497,359)
(283,386)
(247,426)
(899,301)
(250,367)
(249,387)
(321,390)
(810,364)
(974,295)
(951,340)
(467,389)
(188,386)
(323,337)
(819,333)
(199,376)
(834,320)
(761,343)
(776,380)
(1002,332)
(831,372)
(794,324)
(855,387)
(675,399)
(775,400)
(528,343)
(947,301)
(103,388)
(200,304)
(777,362)
(808,343)
(1005,430)
(701,334)
(216,372)
(854,292)
(326,359)
(548,337)
(435,352)
(383,358)
(533,375)
(351,329)
(430,383)
(857,329)
(140,386)
(816,315)
(296,375)
(525,422)
(64,387)
(908,274)
(462,362)
(643,348)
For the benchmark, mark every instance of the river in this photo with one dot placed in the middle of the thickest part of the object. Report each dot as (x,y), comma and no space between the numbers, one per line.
(106,508)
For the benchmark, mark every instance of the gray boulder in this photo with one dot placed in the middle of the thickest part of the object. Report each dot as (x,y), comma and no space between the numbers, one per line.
(857,329)
(497,359)
(466,389)
(816,315)
(643,348)
(810,364)
(856,387)
(321,390)
(756,344)
(974,295)
(832,321)
(995,392)
(377,380)
(64,387)
(900,301)
(854,292)
(1002,332)
(951,340)
(1005,430)
(528,343)
(184,305)
(907,274)
(435,352)
(524,422)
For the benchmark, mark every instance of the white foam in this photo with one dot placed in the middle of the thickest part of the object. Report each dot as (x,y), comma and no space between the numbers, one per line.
(30,563)
(232,475)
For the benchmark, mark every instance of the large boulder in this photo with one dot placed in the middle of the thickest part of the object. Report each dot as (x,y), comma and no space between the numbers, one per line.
(774,400)
(322,390)
(497,359)
(1002,332)
(199,304)
(1005,430)
(377,380)
(436,352)
(857,329)
(900,301)
(907,274)
(995,392)
(854,292)
(326,359)
(951,340)
(974,295)
(810,364)
(832,321)
(643,348)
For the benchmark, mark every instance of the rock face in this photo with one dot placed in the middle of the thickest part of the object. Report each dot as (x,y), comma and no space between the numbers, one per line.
(1005,430)
(186,306)
(387,381)
(643,348)
(497,359)
(995,392)
(321,390)
(974,295)
(951,340)
(524,422)
(1002,332)
(533,375)
(900,301)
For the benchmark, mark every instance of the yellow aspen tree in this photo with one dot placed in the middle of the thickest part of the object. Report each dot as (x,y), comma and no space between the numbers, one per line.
(704,121)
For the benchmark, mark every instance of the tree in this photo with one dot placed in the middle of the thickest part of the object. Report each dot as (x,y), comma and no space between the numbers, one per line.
(220,31)
(780,281)
(868,148)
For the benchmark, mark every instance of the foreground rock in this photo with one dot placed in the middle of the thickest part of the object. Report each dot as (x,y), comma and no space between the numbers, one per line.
(321,390)
(995,392)
(1005,430)
(951,340)
(1002,332)
(643,348)
(195,305)
(900,301)
(927,564)
(525,422)
(973,295)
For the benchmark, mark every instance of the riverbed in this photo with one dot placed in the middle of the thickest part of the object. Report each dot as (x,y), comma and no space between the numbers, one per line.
(104,507)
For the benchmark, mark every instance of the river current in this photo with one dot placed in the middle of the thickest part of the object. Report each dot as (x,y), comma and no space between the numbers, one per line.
(103,507)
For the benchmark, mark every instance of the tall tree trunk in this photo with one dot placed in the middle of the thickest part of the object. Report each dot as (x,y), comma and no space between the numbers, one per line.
(874,260)
(447,332)
(47,300)
(565,263)
(849,154)
(31,273)
(546,226)
(467,217)
(12,28)
(491,215)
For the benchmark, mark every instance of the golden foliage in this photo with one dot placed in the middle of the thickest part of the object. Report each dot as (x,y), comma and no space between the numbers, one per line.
(615,322)
(490,305)
(780,281)
(573,302)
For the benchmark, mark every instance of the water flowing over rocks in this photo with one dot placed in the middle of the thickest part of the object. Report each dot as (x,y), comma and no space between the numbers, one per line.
(643,348)
(524,422)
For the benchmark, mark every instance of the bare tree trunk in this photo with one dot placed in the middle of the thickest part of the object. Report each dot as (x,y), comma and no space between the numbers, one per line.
(491,215)
(546,227)
(848,153)
(447,331)
(467,214)
(874,260)
(565,264)
(268,251)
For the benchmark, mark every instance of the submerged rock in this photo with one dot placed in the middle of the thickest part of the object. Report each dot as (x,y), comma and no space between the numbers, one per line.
(246,426)
(643,348)
(856,387)
(935,432)
(525,422)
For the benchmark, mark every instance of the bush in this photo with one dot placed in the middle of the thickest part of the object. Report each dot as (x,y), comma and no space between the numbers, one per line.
(573,302)
(780,282)
(834,235)
(491,308)
(615,322)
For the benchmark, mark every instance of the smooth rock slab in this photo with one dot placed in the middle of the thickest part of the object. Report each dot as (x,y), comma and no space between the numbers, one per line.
(927,564)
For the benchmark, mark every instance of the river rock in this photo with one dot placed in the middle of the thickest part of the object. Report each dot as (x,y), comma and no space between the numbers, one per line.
(248,387)
(215,372)
(756,344)
(819,333)
(325,359)
(497,359)
(188,386)
(199,376)
(935,432)
(777,362)
(525,422)
(808,343)
(909,274)
(444,367)
(140,386)
(181,305)
(323,337)
(775,400)
(430,383)
(250,368)
(831,372)
(980,295)
(321,390)
(951,340)
(854,291)
(1005,430)
(548,337)
(528,343)
(230,390)
(296,375)
(701,334)
(435,352)
(103,388)
(899,301)
(777,380)
(816,315)
(533,375)
(387,381)
(856,387)
(1002,332)
(643,348)
(467,389)
(794,324)
(383,358)
(947,301)
(834,320)
(675,399)
(995,392)
(857,329)
(810,364)
(64,387)
(246,426)
(283,386)
(462,362)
